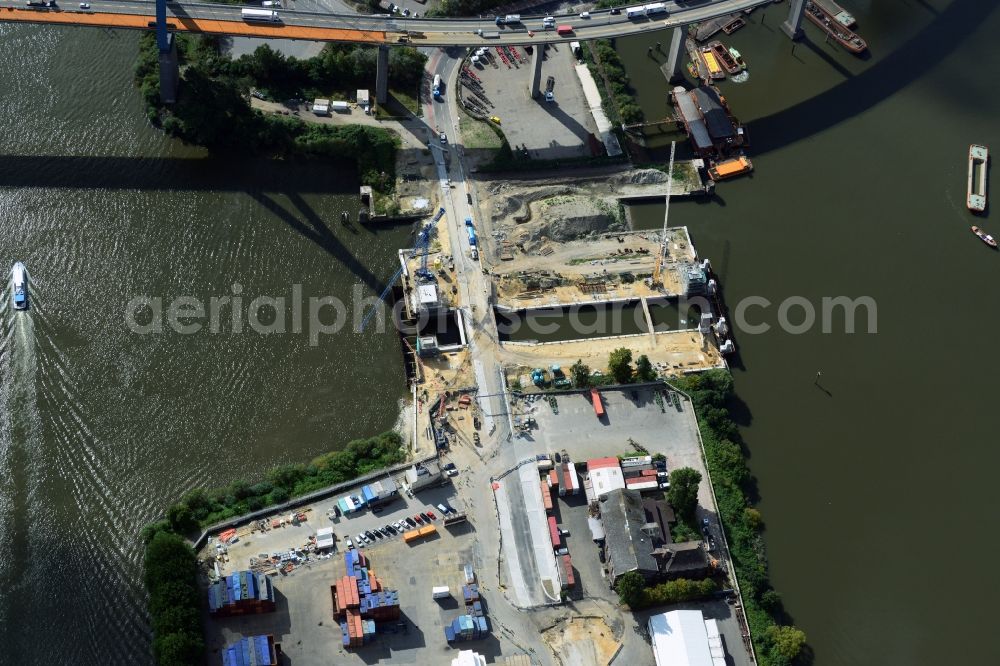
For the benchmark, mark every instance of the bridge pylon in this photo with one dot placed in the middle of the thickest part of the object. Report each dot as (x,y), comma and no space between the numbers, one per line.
(382,75)
(535,88)
(793,24)
(169,72)
(675,58)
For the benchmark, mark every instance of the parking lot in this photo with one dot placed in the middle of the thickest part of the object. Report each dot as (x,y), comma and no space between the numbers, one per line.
(548,130)
(629,415)
(303,623)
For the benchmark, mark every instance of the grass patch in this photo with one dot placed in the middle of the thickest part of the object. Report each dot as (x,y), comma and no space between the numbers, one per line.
(478,134)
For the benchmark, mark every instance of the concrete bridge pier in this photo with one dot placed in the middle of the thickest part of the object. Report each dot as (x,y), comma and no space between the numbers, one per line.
(535,89)
(675,57)
(793,24)
(382,75)
(169,72)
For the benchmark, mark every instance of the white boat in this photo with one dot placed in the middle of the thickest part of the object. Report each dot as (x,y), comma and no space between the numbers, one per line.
(19,279)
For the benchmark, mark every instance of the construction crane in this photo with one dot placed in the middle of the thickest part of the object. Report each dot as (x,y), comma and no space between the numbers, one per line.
(662,258)
(421,246)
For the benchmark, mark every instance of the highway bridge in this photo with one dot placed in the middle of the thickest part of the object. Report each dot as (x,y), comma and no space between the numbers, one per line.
(168,17)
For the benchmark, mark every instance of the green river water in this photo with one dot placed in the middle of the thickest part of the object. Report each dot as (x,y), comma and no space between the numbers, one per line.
(859,190)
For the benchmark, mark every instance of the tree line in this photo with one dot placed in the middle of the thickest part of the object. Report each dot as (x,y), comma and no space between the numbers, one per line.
(213,107)
(777,643)
(606,64)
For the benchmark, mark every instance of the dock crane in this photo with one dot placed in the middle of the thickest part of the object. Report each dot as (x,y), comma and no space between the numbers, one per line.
(421,246)
(658,269)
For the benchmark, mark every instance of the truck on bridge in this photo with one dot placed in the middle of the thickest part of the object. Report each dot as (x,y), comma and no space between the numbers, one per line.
(509,19)
(267,15)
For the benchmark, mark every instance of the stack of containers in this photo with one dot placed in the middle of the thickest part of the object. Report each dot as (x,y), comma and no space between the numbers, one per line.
(466,628)
(359,602)
(241,593)
(251,651)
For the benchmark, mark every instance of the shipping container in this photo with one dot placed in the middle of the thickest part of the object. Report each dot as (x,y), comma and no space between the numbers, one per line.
(554,532)
(412,535)
(441,592)
(428,530)
(564,30)
(546,497)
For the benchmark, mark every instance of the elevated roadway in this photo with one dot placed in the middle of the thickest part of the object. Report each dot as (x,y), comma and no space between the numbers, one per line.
(219,19)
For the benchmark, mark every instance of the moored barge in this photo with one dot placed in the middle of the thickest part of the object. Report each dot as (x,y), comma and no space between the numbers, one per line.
(979,157)
(844,36)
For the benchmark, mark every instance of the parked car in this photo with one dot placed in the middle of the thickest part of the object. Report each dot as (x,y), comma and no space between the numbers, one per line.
(562,551)
(390,529)
(451,472)
(348,544)
(449,466)
(361,538)
(443,137)
(411,522)
(417,518)
(431,514)
(425,517)
(445,510)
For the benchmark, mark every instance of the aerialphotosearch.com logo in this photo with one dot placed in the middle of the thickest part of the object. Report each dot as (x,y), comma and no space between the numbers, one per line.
(318,316)
(264,315)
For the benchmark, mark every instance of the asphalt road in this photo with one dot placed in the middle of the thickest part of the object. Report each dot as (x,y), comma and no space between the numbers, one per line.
(436,31)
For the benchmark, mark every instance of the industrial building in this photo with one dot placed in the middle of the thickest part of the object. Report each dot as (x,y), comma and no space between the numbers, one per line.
(603,475)
(686,638)
(251,651)
(241,593)
(637,540)
(706,118)
(324,538)
(425,475)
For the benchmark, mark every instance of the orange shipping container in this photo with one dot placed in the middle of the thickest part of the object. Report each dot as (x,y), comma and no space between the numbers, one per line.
(411,535)
(546,496)
(553,478)
(428,530)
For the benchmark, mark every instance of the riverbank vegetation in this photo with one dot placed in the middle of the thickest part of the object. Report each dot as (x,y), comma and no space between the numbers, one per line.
(776,643)
(213,106)
(617,93)
(201,507)
(171,578)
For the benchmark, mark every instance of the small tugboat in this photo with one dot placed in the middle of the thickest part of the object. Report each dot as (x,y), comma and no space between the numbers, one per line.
(985,237)
(20,284)
(723,55)
(844,36)
(979,157)
(737,57)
